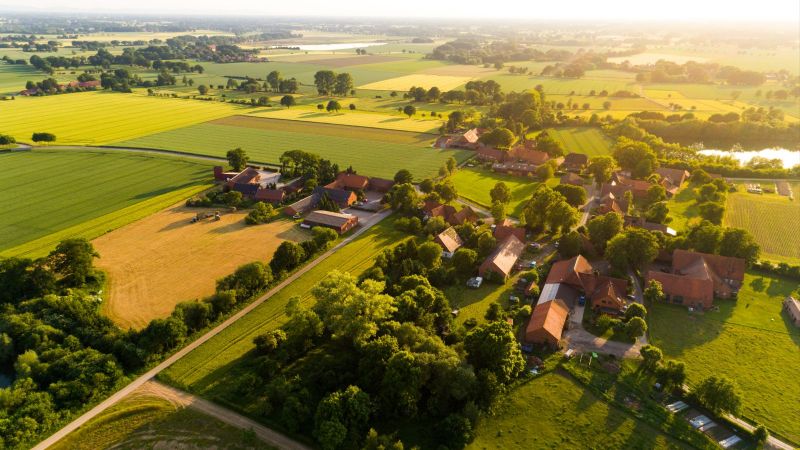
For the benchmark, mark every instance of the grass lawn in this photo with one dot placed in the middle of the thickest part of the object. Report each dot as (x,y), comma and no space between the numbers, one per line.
(683,208)
(406,82)
(370,151)
(589,141)
(208,369)
(97,118)
(748,340)
(475,183)
(14,76)
(771,218)
(80,193)
(554,411)
(148,421)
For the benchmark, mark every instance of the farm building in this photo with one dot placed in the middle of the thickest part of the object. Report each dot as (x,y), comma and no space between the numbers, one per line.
(449,213)
(547,323)
(485,153)
(467,139)
(506,228)
(640,222)
(301,206)
(342,223)
(574,162)
(672,179)
(353,182)
(258,184)
(449,240)
(792,308)
(568,277)
(697,278)
(341,197)
(503,258)
(610,203)
(515,168)
(221,175)
(572,178)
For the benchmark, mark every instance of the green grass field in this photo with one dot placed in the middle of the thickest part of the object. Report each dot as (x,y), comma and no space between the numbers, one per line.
(683,208)
(208,369)
(97,118)
(771,218)
(13,77)
(147,421)
(53,194)
(554,411)
(589,141)
(475,183)
(372,152)
(749,340)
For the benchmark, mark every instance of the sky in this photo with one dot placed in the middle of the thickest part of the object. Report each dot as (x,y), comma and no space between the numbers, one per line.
(593,10)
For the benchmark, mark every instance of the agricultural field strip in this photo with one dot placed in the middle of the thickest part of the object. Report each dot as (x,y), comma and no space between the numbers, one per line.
(233,342)
(770,219)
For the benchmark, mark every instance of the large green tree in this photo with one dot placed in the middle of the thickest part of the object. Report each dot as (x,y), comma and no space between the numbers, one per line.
(237,158)
(719,394)
(603,228)
(72,260)
(634,248)
(494,347)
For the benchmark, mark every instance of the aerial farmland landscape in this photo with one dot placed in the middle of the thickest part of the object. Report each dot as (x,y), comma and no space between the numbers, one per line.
(418,226)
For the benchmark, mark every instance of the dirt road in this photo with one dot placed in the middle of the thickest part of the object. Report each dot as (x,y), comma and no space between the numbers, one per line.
(147,376)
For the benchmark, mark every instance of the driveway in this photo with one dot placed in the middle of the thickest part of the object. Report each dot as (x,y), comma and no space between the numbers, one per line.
(583,341)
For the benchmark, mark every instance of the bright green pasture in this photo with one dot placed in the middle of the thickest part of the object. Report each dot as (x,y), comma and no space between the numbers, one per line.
(749,340)
(589,141)
(375,157)
(48,191)
(13,77)
(474,185)
(98,118)
(554,411)
(683,208)
(771,218)
(209,369)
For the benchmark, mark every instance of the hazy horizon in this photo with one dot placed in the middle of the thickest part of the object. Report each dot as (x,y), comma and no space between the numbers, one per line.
(688,11)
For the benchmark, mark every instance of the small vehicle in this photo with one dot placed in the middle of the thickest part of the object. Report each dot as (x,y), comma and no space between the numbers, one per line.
(475,282)
(536,246)
(631,297)
(513,300)
(296,216)
(532,264)
(582,300)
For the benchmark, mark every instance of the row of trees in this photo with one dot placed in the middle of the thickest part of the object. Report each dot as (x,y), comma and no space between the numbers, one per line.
(329,82)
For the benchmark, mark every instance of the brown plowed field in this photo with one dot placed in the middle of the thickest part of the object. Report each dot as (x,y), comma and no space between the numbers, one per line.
(162,260)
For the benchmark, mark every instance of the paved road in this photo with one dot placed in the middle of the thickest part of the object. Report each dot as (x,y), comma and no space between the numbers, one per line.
(138,382)
(178,397)
(638,294)
(772,441)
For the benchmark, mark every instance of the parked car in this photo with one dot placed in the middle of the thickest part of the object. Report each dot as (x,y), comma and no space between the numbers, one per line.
(296,216)
(474,282)
(582,300)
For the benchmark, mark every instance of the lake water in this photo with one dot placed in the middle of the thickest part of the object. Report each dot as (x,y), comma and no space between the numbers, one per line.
(329,47)
(790,158)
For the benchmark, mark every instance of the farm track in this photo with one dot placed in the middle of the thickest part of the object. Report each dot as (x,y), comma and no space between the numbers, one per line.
(142,379)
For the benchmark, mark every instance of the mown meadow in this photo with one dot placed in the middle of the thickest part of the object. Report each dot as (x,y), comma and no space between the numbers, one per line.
(749,340)
(65,193)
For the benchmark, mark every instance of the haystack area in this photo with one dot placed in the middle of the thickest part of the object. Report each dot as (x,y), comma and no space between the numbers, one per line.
(160,261)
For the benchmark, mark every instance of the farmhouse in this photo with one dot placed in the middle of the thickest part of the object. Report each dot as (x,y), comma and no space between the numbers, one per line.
(672,179)
(515,168)
(572,178)
(449,240)
(792,308)
(547,322)
(575,162)
(506,228)
(342,223)
(485,153)
(342,197)
(568,277)
(503,258)
(467,139)
(449,213)
(697,278)
(301,206)
(640,222)
(257,184)
(609,203)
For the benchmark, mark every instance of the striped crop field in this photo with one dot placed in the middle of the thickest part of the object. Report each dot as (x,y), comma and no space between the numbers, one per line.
(370,151)
(358,119)
(97,118)
(771,218)
(49,195)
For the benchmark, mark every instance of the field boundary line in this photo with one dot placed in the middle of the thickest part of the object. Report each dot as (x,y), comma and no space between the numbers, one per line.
(340,125)
(145,377)
(150,150)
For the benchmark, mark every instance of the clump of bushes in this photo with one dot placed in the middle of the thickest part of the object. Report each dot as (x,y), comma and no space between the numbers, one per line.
(6,139)
(43,137)
(261,213)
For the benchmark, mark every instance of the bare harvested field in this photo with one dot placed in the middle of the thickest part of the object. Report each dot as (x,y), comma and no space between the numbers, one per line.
(334,62)
(460,70)
(150,263)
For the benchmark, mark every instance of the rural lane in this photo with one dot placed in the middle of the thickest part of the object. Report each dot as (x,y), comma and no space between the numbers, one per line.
(237,420)
(142,379)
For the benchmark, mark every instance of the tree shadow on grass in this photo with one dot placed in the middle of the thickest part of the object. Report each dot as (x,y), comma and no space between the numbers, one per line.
(758,284)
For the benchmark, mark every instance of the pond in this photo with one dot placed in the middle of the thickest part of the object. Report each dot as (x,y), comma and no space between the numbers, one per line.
(328,47)
(5,380)
(789,158)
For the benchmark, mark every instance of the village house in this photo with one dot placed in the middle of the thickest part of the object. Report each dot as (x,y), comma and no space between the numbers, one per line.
(640,222)
(547,323)
(792,308)
(506,228)
(467,139)
(672,179)
(697,278)
(502,260)
(258,184)
(449,213)
(339,222)
(573,179)
(610,203)
(450,241)
(569,277)
(575,162)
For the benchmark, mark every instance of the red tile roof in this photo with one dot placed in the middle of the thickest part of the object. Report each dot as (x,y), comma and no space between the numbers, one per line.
(449,240)
(506,228)
(503,258)
(547,322)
